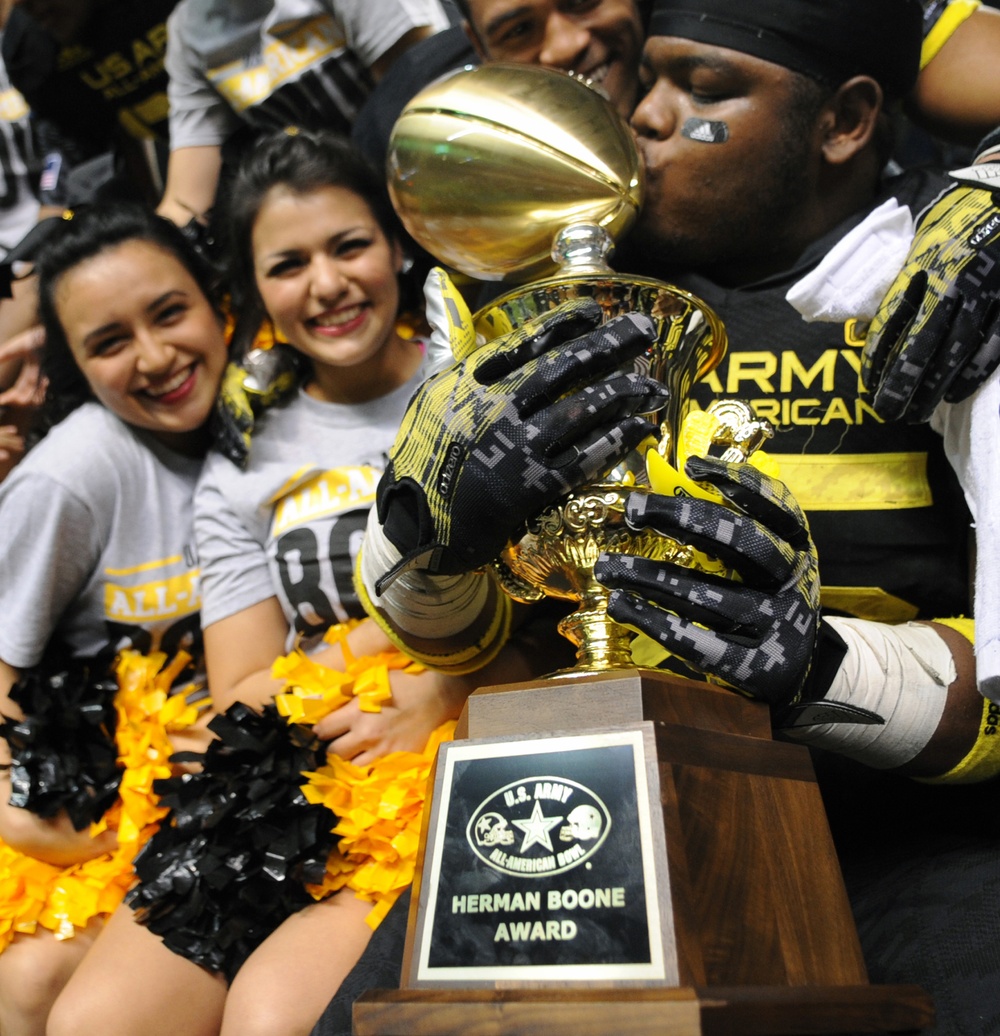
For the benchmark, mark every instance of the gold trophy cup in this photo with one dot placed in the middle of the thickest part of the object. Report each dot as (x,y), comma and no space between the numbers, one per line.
(508,172)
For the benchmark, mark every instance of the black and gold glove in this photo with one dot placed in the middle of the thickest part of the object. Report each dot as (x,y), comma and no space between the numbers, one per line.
(489,442)
(936,335)
(757,631)
(261,379)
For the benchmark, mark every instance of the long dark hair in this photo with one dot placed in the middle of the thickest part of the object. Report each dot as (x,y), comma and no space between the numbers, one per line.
(302,161)
(74,240)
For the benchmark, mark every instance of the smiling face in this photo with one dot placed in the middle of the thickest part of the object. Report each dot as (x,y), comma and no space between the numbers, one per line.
(327,276)
(599,39)
(738,208)
(145,337)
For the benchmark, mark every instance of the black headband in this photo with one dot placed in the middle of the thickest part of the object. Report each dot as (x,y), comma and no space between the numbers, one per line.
(830,40)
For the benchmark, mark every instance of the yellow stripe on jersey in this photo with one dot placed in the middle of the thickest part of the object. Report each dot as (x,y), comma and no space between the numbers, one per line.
(951,18)
(856,481)
(144,567)
(867,602)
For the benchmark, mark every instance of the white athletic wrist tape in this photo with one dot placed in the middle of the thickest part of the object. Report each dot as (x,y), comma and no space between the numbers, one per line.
(902,673)
(425,606)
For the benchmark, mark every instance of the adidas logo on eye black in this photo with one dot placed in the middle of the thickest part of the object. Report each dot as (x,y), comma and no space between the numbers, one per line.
(705,131)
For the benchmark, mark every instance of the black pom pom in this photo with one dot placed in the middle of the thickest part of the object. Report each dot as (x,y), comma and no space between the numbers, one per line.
(64,755)
(241,842)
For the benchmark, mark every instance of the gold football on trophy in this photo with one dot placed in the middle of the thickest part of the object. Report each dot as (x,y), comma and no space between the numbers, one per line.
(487,164)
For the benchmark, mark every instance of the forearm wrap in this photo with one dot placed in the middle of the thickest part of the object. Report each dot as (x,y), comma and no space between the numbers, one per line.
(455,624)
(901,673)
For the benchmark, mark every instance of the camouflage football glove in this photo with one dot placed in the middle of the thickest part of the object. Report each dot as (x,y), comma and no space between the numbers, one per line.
(757,631)
(489,442)
(936,335)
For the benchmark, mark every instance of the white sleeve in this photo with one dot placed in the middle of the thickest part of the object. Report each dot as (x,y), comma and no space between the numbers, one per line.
(198,114)
(234,569)
(50,542)
(970,429)
(373,28)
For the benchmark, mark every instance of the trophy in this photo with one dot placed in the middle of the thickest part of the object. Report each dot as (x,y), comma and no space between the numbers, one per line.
(555,178)
(625,850)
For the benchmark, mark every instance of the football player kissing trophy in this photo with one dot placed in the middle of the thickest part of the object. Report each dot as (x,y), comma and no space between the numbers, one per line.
(623,850)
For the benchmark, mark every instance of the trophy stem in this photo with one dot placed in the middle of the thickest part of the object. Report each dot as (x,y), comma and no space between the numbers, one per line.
(601,643)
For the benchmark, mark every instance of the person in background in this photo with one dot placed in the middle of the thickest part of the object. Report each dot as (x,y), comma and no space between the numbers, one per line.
(94,70)
(262,65)
(91,75)
(957,94)
(96,540)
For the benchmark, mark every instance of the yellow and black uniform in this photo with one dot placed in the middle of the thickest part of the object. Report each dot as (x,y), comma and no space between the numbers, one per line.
(884,507)
(104,91)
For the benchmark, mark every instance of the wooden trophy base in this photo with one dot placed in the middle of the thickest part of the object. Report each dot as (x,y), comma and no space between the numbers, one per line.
(682,1011)
(758,925)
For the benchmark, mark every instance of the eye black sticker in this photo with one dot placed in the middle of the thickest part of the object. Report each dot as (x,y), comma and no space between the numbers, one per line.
(706,131)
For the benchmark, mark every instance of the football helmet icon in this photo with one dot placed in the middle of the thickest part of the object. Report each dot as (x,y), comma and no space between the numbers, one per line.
(492,829)
(583,823)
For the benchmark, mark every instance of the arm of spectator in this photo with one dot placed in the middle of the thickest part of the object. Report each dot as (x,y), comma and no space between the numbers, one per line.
(239,652)
(192,179)
(24,389)
(17,314)
(420,703)
(957,95)
(382,65)
(11,448)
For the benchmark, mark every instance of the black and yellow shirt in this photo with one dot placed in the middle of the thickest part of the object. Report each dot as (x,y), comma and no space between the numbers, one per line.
(110,82)
(885,509)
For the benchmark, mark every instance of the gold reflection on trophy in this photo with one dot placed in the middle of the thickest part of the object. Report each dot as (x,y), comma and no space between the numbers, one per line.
(506,172)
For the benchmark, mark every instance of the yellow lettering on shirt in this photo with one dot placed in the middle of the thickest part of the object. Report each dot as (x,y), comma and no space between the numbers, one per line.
(772,383)
(142,52)
(242,86)
(160,599)
(114,66)
(793,368)
(331,492)
(757,368)
(855,332)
